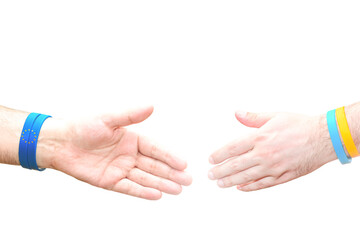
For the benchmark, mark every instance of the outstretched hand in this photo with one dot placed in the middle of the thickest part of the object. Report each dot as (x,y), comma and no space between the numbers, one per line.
(103,153)
(284,147)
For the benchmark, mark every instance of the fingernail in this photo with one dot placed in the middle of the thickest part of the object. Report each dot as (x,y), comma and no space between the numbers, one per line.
(211,175)
(220,183)
(211,160)
(241,114)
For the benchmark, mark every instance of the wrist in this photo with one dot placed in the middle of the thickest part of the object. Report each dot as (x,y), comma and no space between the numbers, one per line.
(324,147)
(51,139)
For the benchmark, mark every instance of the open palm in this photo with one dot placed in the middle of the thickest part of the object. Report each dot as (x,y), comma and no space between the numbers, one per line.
(103,153)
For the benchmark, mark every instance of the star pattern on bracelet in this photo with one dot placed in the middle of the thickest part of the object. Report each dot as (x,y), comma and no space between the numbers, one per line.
(32,136)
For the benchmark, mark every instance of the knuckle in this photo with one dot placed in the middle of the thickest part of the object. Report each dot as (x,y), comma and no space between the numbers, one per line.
(137,192)
(169,158)
(228,182)
(158,184)
(261,137)
(268,153)
(232,150)
(258,138)
(153,150)
(276,168)
(142,178)
(170,174)
(126,188)
(277,171)
(235,165)
(260,185)
(247,177)
(152,167)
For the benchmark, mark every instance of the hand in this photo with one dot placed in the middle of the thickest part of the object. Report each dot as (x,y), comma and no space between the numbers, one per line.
(103,153)
(283,147)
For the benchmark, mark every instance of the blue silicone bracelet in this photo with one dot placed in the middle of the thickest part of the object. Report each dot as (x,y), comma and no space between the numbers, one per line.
(335,138)
(24,139)
(32,143)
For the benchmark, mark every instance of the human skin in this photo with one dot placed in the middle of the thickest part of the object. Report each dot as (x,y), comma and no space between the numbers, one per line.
(99,151)
(283,147)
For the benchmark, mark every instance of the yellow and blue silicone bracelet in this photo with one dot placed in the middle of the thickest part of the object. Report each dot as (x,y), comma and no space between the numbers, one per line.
(335,138)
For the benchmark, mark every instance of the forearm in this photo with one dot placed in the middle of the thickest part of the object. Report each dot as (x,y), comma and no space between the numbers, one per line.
(11,124)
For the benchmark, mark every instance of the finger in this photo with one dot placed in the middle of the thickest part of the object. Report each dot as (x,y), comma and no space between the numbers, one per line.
(115,120)
(163,170)
(251,174)
(147,180)
(244,184)
(257,185)
(253,119)
(149,149)
(266,182)
(232,166)
(128,187)
(232,149)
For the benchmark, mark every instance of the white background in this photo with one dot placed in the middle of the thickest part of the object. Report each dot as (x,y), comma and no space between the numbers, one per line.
(197,62)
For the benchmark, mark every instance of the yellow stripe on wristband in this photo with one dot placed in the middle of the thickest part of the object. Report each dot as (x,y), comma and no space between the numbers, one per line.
(345,132)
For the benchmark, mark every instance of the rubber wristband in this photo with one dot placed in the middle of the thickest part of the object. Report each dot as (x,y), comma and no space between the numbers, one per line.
(32,143)
(24,139)
(335,138)
(345,132)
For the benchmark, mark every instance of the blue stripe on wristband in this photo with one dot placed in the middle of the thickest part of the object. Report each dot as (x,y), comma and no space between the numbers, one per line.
(32,143)
(335,138)
(24,139)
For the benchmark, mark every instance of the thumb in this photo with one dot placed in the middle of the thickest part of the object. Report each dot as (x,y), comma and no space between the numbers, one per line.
(127,118)
(255,120)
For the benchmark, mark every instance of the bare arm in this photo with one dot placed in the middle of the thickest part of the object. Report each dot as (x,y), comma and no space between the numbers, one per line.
(11,123)
(284,147)
(99,151)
